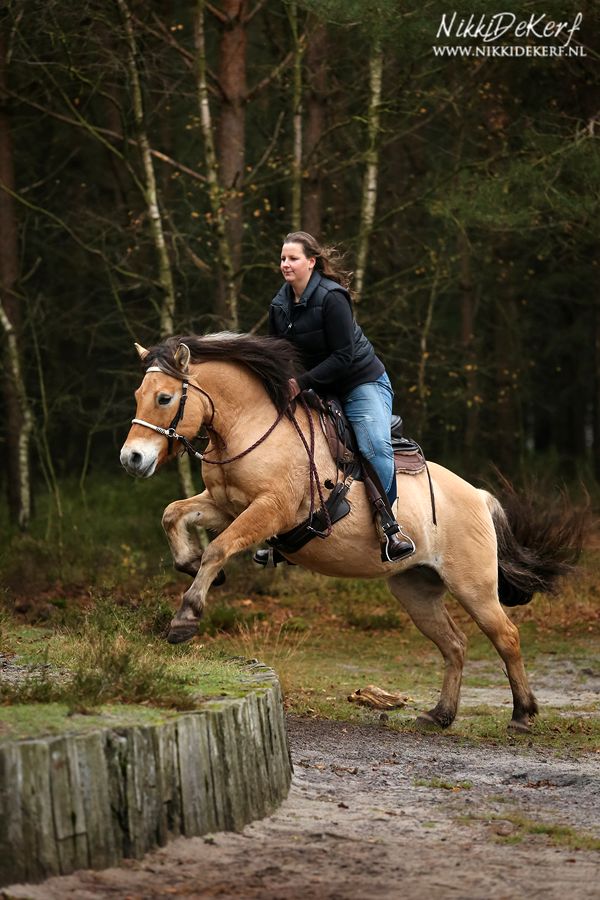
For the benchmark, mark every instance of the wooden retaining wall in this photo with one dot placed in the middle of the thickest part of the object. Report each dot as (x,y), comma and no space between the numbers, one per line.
(89,800)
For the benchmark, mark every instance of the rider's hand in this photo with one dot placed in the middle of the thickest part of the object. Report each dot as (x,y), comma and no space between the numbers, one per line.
(293,388)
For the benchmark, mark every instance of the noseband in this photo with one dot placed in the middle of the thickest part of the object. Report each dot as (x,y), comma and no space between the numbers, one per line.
(171,432)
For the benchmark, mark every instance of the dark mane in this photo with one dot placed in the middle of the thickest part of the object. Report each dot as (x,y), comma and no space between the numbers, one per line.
(274,360)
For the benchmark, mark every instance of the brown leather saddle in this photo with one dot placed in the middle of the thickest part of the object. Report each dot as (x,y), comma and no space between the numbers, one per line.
(408,456)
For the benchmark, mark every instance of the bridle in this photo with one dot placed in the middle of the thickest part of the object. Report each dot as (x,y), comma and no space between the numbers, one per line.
(172,435)
(171,432)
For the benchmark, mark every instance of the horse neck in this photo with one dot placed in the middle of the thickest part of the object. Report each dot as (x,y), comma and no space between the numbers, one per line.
(241,402)
(244,414)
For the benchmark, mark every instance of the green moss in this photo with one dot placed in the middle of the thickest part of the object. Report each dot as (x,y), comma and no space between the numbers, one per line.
(34,720)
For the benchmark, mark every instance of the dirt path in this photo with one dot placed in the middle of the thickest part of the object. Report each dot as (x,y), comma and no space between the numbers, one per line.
(373,813)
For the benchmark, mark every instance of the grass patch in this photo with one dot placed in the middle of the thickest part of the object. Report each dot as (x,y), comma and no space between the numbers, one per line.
(109,535)
(222,618)
(443,785)
(386,621)
(113,654)
(41,719)
(558,835)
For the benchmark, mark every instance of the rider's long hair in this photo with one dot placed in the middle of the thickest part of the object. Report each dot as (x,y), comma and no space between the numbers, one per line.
(328,260)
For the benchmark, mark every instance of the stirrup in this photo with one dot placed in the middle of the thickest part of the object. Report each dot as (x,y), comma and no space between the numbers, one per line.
(270,558)
(408,548)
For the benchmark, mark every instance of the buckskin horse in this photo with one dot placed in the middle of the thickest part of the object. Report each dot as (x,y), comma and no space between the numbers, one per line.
(262,475)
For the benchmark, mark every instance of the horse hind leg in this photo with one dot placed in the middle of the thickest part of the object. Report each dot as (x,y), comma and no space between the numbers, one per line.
(482,603)
(420,591)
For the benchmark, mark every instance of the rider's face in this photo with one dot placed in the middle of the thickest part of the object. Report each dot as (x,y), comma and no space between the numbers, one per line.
(296,267)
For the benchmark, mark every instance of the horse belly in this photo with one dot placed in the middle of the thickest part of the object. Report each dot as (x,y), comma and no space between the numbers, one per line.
(352,550)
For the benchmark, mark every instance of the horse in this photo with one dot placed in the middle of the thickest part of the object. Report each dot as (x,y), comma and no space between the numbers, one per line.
(258,468)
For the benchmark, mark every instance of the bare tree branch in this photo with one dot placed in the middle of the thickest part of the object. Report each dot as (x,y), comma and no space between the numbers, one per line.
(158,154)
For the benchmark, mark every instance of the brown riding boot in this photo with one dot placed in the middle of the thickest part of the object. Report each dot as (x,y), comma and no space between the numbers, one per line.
(394,548)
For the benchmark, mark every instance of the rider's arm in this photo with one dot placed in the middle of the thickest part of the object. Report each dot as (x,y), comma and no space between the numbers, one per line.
(339,336)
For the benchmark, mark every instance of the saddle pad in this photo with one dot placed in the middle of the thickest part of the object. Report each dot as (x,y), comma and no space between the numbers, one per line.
(409,462)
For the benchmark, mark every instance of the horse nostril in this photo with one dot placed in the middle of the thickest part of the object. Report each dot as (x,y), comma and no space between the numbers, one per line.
(136,458)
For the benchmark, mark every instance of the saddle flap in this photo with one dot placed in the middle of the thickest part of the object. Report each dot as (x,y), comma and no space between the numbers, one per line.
(408,456)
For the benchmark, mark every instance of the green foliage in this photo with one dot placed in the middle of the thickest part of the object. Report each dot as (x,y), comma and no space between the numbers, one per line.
(109,655)
(109,535)
(221,618)
(489,181)
(374,621)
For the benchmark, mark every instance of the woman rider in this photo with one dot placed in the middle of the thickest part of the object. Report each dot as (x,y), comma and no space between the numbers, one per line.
(313,310)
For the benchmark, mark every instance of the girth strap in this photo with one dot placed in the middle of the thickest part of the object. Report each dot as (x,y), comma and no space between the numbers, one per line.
(316,525)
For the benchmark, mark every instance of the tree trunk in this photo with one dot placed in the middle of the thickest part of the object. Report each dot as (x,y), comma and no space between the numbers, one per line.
(19,422)
(468,310)
(231,133)
(165,275)
(297,122)
(369,190)
(506,447)
(423,389)
(316,76)
(228,289)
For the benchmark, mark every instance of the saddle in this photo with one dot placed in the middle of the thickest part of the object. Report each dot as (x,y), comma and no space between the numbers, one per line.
(408,457)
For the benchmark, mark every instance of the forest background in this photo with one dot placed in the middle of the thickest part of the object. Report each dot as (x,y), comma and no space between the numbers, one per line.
(153,155)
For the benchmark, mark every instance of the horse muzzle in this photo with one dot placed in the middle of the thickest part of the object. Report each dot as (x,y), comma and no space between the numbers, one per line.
(139,458)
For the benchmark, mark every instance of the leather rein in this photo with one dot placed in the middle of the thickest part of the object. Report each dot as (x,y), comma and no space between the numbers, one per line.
(172,435)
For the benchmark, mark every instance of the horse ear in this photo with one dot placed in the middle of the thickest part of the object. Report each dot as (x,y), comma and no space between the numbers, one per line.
(142,352)
(182,358)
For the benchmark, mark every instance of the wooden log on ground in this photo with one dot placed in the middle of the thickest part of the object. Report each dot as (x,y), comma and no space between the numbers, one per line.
(89,800)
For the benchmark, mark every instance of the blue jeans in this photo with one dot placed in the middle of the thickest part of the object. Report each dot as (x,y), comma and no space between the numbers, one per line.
(369,409)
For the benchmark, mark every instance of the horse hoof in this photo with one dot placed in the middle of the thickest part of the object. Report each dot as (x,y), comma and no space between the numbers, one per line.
(179,634)
(519,726)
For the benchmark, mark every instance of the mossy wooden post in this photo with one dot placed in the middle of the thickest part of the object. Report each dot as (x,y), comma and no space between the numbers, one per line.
(88,800)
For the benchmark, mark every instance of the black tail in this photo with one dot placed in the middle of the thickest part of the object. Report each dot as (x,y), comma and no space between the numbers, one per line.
(537,545)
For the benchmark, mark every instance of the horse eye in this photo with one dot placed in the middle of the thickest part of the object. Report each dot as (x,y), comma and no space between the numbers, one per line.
(164,399)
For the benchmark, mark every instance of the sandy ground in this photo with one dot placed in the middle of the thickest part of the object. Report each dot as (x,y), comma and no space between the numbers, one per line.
(365,820)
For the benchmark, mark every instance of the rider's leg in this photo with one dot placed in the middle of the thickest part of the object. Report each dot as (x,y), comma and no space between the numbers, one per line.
(369,409)
(270,557)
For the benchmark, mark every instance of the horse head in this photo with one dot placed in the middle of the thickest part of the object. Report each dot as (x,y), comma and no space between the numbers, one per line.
(164,414)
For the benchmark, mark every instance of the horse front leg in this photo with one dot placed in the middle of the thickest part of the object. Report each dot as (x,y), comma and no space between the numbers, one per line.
(264,517)
(180,521)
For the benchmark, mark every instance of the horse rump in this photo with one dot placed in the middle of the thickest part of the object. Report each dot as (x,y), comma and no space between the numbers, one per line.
(538,543)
